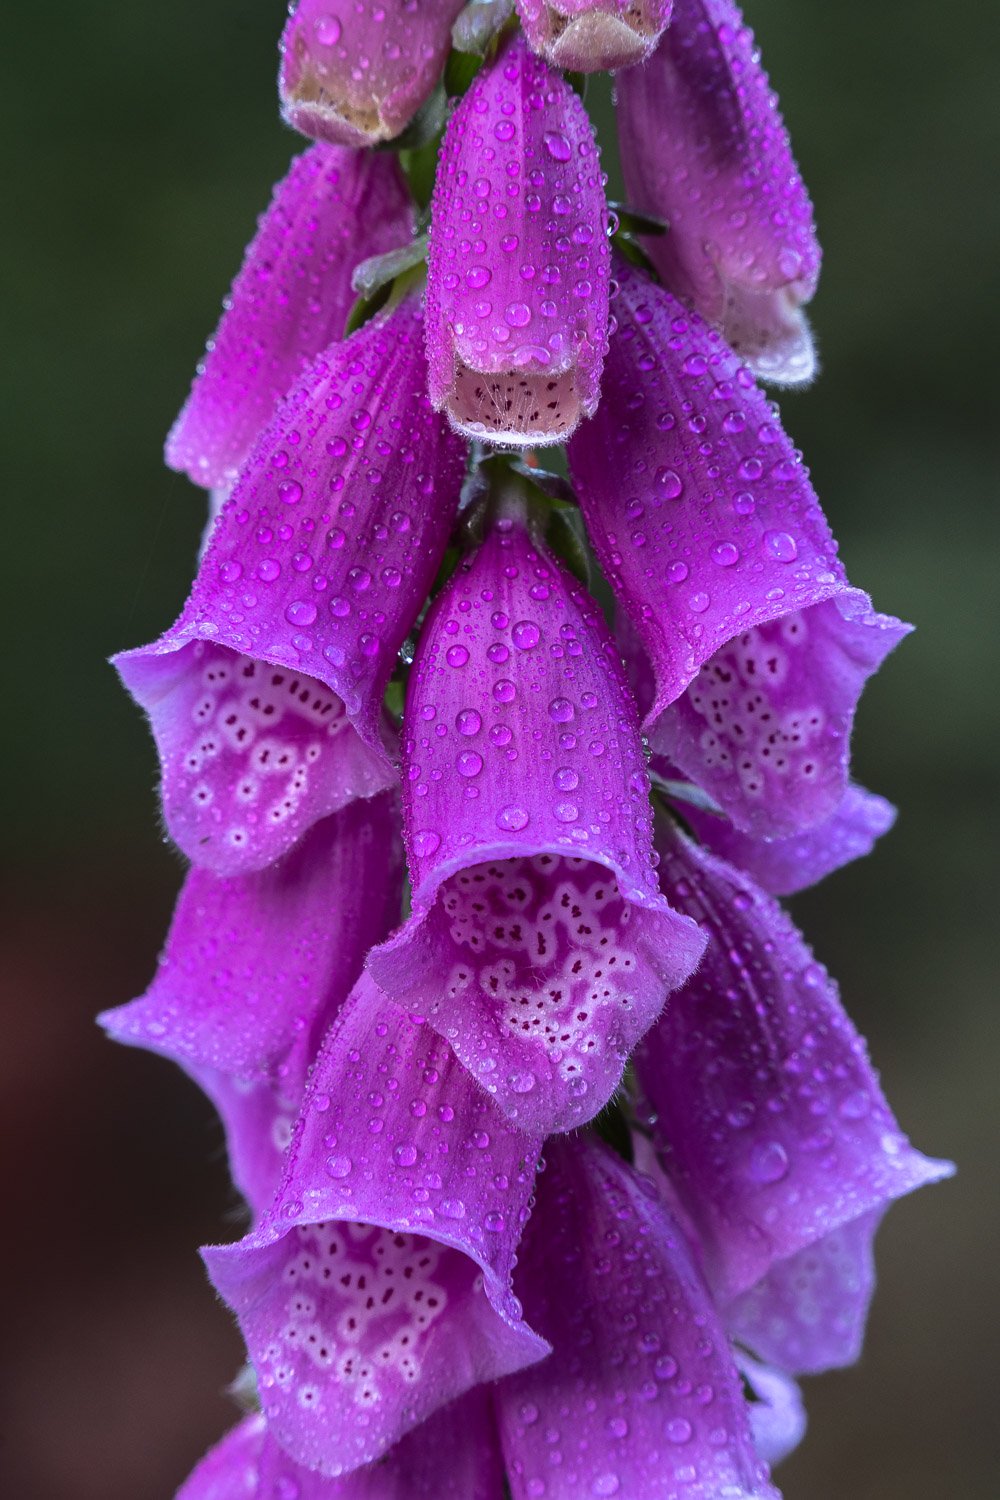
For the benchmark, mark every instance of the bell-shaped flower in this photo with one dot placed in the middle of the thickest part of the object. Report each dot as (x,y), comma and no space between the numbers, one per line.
(451,1456)
(704,147)
(289,301)
(256,967)
(588,36)
(378,1286)
(357,73)
(539,943)
(770,1122)
(518,278)
(640,1396)
(266,696)
(714,542)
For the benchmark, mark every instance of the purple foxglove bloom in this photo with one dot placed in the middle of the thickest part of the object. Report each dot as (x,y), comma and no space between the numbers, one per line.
(377,1288)
(357,74)
(255,969)
(289,301)
(640,1397)
(266,696)
(590,35)
(704,147)
(713,540)
(539,944)
(451,1456)
(784,866)
(777,1415)
(770,1120)
(518,278)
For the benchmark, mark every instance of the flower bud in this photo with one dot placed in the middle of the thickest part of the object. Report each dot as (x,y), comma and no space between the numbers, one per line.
(704,147)
(355,73)
(517,289)
(589,36)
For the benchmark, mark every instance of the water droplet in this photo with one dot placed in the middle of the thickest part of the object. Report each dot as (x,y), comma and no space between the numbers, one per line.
(781,546)
(426,843)
(338,1167)
(469,763)
(512,818)
(468,722)
(725,554)
(768,1162)
(669,483)
(525,635)
(561,711)
(557,146)
(456,656)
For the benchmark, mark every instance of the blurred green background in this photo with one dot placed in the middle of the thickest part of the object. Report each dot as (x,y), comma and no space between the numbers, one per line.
(142,141)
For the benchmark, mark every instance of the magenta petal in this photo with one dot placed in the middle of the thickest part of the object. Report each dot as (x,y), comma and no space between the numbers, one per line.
(765,727)
(346,77)
(589,35)
(289,301)
(315,573)
(254,970)
(640,1398)
(251,754)
(517,327)
(808,1313)
(715,545)
(539,944)
(704,147)
(777,1414)
(377,1289)
(767,1112)
(784,866)
(452,1456)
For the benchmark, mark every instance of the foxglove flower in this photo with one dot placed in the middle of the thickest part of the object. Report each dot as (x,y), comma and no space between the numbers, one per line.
(539,944)
(357,74)
(517,288)
(589,35)
(377,1287)
(289,301)
(640,1397)
(256,967)
(249,1465)
(703,146)
(266,696)
(712,538)
(771,1122)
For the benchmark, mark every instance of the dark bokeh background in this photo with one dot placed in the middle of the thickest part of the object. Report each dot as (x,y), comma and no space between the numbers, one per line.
(145,140)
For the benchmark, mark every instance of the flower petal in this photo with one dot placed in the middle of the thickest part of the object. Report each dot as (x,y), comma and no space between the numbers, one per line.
(377,1289)
(717,550)
(704,147)
(251,754)
(344,75)
(539,945)
(808,1313)
(256,967)
(289,301)
(451,1456)
(517,328)
(640,1396)
(784,866)
(317,569)
(769,1116)
(777,1414)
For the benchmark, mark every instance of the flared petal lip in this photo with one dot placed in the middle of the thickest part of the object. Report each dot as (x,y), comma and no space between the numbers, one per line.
(854,605)
(230,1258)
(371,725)
(426,891)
